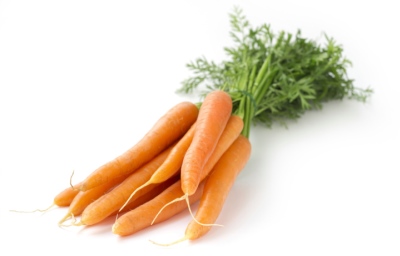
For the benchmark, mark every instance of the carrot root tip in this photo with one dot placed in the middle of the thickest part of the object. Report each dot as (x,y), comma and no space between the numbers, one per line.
(36,210)
(64,219)
(173,201)
(74,221)
(132,194)
(194,218)
(169,244)
(70,182)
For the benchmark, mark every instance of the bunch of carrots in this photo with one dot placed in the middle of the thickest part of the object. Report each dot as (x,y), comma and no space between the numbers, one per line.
(195,151)
(190,154)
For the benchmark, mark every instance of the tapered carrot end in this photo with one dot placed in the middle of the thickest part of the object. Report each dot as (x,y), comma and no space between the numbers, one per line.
(173,201)
(36,210)
(132,194)
(194,218)
(114,228)
(169,244)
(73,222)
(65,218)
(121,228)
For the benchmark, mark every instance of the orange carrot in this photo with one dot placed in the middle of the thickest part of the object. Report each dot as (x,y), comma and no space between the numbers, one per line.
(65,197)
(229,135)
(158,189)
(232,130)
(213,116)
(217,187)
(142,217)
(84,198)
(174,161)
(167,129)
(172,164)
(113,200)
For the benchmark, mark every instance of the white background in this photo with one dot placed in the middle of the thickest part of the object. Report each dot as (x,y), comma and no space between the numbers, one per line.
(82,81)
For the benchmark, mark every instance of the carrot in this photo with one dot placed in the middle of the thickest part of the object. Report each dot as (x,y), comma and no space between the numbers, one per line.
(231,132)
(142,217)
(172,164)
(84,198)
(65,197)
(213,116)
(232,129)
(158,189)
(113,200)
(217,187)
(167,129)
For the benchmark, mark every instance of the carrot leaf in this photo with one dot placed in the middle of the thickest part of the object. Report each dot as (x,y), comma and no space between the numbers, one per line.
(274,76)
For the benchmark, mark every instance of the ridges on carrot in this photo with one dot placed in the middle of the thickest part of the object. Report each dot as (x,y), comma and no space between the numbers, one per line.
(169,128)
(216,188)
(155,191)
(84,198)
(171,165)
(213,116)
(143,216)
(113,200)
(212,119)
(231,132)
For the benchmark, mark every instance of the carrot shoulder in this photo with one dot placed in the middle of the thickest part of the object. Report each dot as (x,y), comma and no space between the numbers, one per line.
(212,119)
(167,129)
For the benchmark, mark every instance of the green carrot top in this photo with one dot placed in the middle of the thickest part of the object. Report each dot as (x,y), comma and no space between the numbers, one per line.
(274,77)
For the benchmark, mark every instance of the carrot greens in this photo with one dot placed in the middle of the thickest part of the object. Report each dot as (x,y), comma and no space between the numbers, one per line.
(274,76)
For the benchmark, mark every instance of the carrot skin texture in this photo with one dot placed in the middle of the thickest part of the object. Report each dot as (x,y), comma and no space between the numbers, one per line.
(231,132)
(229,135)
(172,164)
(65,197)
(212,118)
(174,160)
(113,200)
(141,217)
(170,127)
(217,187)
(158,189)
(84,198)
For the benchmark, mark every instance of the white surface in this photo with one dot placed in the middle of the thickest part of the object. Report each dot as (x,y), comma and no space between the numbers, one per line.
(81,81)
